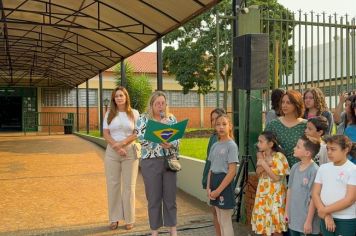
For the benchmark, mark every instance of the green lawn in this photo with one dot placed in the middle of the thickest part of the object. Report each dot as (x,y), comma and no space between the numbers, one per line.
(194,147)
(191,147)
(95,133)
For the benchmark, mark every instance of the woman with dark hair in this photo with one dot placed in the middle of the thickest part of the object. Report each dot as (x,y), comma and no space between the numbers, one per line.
(315,105)
(350,130)
(290,126)
(275,112)
(343,118)
(121,163)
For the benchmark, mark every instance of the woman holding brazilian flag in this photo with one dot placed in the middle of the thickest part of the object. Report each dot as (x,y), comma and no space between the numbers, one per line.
(160,184)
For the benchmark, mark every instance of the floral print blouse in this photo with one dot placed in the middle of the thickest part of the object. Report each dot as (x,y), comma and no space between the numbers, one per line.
(287,137)
(148,148)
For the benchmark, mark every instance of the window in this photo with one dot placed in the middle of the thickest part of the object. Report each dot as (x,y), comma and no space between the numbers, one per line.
(210,99)
(178,99)
(93,97)
(107,94)
(52,97)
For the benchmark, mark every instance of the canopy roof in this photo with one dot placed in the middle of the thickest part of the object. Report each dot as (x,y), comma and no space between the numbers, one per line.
(66,42)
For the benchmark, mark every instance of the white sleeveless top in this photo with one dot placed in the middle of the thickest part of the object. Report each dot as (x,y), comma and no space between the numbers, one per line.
(121,126)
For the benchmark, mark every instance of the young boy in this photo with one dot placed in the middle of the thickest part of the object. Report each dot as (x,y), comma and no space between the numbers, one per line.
(316,129)
(301,215)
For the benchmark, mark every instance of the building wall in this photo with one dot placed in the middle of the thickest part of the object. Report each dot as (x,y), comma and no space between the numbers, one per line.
(181,113)
(250,194)
(199,116)
(93,117)
(190,113)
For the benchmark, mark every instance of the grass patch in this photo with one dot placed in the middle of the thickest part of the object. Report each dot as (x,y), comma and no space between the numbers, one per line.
(95,133)
(191,147)
(195,129)
(194,147)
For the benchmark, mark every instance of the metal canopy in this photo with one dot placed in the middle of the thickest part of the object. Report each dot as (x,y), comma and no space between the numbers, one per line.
(52,43)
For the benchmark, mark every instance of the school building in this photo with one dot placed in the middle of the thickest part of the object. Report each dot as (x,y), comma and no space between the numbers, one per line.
(47,108)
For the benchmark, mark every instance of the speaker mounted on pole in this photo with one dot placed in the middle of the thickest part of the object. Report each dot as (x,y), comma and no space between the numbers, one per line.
(250,68)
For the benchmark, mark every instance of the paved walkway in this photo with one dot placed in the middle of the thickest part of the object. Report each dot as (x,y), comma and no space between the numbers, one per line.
(55,185)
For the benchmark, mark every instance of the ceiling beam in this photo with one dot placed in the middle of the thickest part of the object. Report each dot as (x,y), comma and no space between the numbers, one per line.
(7,49)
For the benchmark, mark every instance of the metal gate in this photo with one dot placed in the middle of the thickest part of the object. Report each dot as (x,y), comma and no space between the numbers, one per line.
(311,50)
(28,98)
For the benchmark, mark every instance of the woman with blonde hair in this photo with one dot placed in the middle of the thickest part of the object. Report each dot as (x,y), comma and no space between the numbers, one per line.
(160,183)
(121,160)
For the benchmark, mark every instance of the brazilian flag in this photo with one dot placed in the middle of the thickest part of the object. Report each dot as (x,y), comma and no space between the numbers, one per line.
(162,133)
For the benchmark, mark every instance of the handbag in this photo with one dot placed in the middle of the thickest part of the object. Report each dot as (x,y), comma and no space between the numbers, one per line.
(171,163)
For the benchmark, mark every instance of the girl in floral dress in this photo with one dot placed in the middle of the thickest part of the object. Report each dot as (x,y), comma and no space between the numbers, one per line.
(272,168)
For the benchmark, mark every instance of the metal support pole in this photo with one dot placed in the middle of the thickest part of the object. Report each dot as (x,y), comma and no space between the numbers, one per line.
(87,103)
(235,91)
(101,103)
(123,73)
(247,121)
(217,60)
(159,65)
(77,104)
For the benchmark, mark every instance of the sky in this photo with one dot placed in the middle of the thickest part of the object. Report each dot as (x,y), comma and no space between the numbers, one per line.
(340,7)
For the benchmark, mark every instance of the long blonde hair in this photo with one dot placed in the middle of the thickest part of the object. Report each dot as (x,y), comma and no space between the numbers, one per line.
(152,99)
(113,107)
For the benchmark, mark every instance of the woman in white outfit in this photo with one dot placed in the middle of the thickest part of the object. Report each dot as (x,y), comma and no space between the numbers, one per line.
(121,163)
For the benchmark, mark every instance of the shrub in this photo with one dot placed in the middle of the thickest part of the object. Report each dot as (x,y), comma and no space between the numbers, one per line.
(138,87)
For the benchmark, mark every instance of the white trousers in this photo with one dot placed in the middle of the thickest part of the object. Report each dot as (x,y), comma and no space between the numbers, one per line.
(121,175)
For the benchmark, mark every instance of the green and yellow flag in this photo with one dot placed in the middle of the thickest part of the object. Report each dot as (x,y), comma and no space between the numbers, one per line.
(162,133)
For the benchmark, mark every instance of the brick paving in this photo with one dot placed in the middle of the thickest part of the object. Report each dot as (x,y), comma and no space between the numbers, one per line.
(55,185)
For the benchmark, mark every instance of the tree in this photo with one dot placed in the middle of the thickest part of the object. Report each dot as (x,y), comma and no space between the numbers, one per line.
(138,87)
(193,62)
(280,32)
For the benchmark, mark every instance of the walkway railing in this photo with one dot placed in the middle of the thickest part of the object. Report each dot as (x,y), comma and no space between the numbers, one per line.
(52,122)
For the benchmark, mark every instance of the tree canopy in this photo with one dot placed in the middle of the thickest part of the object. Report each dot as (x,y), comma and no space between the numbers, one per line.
(193,59)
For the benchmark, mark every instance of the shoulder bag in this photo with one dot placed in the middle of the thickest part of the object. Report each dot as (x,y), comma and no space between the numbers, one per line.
(171,162)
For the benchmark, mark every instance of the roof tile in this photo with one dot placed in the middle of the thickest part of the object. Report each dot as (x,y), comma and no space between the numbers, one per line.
(143,62)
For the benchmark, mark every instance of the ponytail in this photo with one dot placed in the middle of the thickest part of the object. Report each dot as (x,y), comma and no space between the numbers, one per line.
(271,137)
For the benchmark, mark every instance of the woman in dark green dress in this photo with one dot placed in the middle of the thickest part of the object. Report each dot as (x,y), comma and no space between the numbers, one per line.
(290,126)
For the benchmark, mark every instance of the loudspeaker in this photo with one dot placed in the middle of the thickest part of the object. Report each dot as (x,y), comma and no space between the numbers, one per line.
(250,68)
